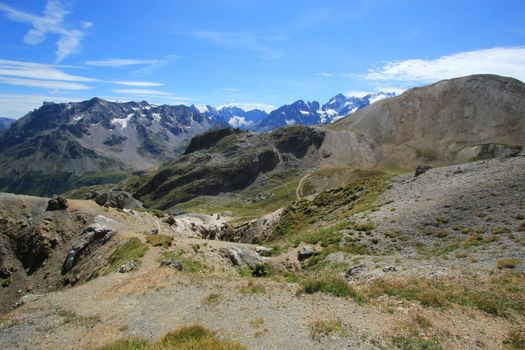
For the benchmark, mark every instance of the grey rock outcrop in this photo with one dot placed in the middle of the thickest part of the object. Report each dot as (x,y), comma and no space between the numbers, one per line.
(57,203)
(94,233)
(115,199)
(174,264)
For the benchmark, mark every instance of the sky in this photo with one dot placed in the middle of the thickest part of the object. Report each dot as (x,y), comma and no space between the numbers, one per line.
(250,53)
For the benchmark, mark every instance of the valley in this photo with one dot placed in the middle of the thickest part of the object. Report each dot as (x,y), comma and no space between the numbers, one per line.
(400,225)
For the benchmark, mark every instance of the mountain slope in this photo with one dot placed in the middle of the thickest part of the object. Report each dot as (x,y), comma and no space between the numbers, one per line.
(448,121)
(57,142)
(5,122)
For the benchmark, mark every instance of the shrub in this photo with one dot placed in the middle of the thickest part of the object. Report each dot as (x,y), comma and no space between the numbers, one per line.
(508,263)
(323,328)
(159,240)
(332,285)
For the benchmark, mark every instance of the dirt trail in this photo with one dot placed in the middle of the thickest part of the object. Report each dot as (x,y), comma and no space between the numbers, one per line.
(299,189)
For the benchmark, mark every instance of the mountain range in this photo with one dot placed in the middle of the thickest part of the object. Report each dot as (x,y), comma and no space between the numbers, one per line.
(299,112)
(60,146)
(449,122)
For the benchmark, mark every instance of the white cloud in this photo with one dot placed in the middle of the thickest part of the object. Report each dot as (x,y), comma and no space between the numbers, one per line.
(17,105)
(52,21)
(33,70)
(46,84)
(151,94)
(138,83)
(506,61)
(120,62)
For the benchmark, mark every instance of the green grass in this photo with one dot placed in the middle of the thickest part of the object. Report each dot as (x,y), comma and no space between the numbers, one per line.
(333,207)
(186,338)
(189,264)
(158,240)
(332,285)
(133,249)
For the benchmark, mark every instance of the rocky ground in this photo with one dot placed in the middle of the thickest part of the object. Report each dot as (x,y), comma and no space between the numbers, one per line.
(450,226)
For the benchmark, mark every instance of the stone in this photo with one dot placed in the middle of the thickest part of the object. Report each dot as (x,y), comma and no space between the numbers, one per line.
(127,267)
(421,169)
(263,251)
(389,269)
(170,220)
(354,271)
(305,252)
(242,256)
(57,203)
(175,264)
(115,199)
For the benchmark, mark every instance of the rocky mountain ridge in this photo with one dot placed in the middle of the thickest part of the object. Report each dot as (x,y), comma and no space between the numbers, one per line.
(98,137)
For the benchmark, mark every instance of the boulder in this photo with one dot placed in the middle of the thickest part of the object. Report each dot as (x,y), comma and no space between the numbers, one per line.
(354,271)
(175,264)
(242,256)
(305,252)
(389,269)
(57,203)
(421,169)
(127,267)
(96,232)
(115,199)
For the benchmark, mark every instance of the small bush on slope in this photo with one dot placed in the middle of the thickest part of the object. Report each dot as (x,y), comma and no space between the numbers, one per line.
(186,338)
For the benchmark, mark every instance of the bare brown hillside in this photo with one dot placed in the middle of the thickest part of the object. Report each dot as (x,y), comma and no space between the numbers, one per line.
(446,122)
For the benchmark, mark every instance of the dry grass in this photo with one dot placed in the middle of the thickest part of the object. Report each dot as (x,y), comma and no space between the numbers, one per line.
(212,299)
(502,295)
(415,334)
(187,338)
(323,328)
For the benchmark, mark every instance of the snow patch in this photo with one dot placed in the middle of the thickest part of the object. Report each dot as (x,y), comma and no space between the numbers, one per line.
(79,117)
(123,123)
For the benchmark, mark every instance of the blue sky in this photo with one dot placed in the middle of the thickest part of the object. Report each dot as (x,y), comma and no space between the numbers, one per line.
(253,53)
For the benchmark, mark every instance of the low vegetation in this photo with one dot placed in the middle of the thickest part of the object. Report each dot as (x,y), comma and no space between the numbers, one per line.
(324,327)
(188,261)
(508,263)
(332,285)
(133,249)
(158,240)
(502,295)
(415,334)
(186,338)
